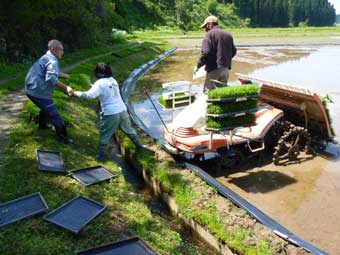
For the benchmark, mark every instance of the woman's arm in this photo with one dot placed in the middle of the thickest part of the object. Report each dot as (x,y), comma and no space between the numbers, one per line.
(93,92)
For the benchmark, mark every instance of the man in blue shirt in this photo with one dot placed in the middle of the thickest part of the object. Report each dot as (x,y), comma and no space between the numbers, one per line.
(40,82)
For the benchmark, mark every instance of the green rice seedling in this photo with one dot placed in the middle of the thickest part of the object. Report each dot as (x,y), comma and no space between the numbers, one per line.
(234,91)
(167,103)
(324,101)
(221,108)
(230,122)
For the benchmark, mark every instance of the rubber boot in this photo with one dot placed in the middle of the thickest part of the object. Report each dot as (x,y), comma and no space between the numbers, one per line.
(113,147)
(101,153)
(62,135)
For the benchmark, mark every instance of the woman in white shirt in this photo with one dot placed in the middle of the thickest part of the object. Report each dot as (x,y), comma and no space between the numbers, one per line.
(113,113)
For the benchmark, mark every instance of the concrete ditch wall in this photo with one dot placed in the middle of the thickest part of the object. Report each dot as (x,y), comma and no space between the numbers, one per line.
(170,201)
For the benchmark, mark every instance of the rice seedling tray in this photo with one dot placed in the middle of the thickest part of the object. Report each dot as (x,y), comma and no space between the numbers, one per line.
(50,161)
(232,114)
(232,99)
(75,214)
(129,246)
(22,208)
(91,175)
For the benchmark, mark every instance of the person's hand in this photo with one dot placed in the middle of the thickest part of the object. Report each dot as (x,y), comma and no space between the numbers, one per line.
(77,93)
(69,91)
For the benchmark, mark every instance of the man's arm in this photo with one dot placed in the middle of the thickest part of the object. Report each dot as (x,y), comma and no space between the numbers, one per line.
(204,51)
(68,90)
(234,50)
(64,75)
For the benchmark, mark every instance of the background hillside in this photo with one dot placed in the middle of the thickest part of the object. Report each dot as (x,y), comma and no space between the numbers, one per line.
(26,26)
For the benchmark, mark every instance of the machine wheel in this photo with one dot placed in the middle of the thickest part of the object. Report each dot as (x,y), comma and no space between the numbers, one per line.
(291,143)
(275,133)
(229,159)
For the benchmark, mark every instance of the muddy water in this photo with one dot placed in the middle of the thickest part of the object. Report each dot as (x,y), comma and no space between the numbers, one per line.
(304,197)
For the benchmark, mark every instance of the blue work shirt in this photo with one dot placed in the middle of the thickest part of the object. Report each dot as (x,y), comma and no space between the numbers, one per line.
(42,77)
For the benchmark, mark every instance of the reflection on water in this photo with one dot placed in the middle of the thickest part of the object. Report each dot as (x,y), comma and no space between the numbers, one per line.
(302,197)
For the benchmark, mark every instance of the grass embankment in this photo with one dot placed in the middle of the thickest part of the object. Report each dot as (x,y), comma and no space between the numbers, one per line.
(14,75)
(126,214)
(268,36)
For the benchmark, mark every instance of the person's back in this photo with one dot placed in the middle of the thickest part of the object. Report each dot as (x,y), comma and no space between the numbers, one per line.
(113,113)
(110,99)
(221,48)
(217,52)
(42,77)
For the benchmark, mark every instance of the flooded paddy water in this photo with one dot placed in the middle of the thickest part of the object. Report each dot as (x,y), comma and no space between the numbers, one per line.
(303,196)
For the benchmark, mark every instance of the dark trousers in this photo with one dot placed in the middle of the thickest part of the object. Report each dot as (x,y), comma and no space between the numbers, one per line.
(48,111)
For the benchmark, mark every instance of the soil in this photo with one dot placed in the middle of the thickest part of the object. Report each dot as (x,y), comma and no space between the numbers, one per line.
(10,108)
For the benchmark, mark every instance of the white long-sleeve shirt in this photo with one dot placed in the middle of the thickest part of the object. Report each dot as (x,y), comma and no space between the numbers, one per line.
(107,90)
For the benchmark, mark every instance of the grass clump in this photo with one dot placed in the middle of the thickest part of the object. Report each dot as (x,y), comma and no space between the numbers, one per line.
(118,36)
(234,91)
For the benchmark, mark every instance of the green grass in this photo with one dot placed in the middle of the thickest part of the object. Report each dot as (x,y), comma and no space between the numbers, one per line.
(17,73)
(167,33)
(126,213)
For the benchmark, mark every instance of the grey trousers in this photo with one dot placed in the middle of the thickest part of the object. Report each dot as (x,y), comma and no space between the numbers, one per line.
(220,74)
(109,124)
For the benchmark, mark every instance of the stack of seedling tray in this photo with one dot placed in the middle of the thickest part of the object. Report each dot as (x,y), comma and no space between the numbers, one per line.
(231,107)
(176,99)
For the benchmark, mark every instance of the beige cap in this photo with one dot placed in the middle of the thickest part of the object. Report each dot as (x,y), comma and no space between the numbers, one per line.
(210,19)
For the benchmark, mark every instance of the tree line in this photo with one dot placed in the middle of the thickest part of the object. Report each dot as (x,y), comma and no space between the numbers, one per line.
(284,13)
(27,25)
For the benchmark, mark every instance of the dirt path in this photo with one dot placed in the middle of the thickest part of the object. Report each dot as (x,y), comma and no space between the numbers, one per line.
(10,107)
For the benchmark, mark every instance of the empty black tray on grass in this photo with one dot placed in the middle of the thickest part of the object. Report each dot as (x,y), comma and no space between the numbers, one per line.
(131,246)
(75,214)
(91,175)
(21,208)
(50,161)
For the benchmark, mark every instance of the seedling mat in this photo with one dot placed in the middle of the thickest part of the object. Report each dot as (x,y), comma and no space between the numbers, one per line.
(92,175)
(130,246)
(50,161)
(75,214)
(21,208)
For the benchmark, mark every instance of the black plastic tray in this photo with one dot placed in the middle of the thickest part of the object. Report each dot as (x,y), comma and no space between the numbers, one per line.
(91,175)
(21,208)
(232,99)
(75,214)
(131,246)
(50,161)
